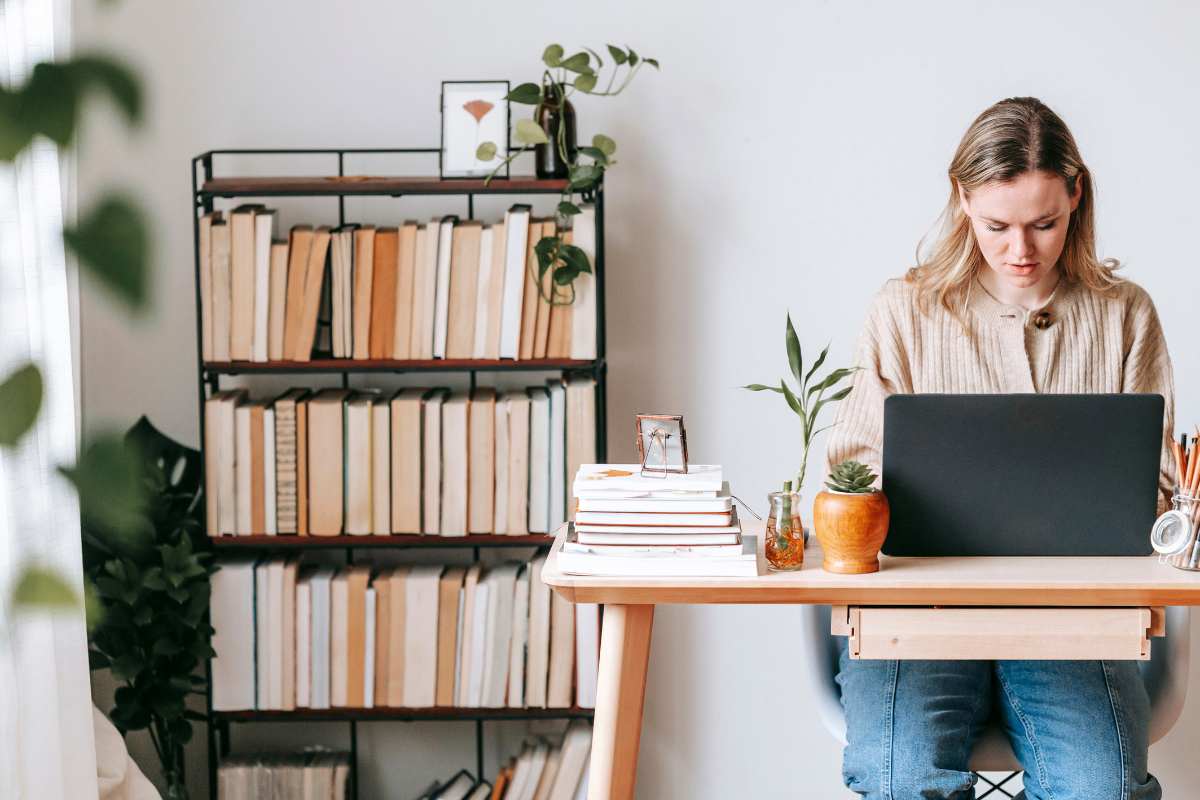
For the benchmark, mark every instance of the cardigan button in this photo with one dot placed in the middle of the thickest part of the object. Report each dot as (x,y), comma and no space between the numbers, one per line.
(1043,320)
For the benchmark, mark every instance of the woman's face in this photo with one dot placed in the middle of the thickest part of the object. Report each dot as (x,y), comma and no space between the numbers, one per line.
(1021,226)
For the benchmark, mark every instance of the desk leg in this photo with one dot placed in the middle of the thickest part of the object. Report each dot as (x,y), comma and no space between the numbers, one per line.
(620,694)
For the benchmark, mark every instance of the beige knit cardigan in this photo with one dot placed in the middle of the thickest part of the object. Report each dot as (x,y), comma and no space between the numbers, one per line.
(1093,344)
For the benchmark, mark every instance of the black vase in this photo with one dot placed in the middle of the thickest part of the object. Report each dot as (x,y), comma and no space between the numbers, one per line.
(547,157)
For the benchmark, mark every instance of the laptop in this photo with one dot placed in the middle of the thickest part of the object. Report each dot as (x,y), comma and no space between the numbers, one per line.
(1021,474)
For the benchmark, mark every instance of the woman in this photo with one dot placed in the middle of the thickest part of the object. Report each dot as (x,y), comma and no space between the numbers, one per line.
(1011,298)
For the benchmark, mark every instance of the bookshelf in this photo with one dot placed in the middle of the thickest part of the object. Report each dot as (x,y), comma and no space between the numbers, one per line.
(208,186)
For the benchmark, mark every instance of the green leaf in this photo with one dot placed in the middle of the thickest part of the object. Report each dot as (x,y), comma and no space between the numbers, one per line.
(111,492)
(577,63)
(604,144)
(547,253)
(20,402)
(38,587)
(486,151)
(552,55)
(595,154)
(817,365)
(568,209)
(585,82)
(816,409)
(112,243)
(529,94)
(595,55)
(583,176)
(575,259)
(653,62)
(529,132)
(618,54)
(633,57)
(791,398)
(111,76)
(795,356)
(758,387)
(831,379)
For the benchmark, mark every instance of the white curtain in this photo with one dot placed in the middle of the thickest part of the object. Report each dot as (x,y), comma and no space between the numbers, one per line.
(47,748)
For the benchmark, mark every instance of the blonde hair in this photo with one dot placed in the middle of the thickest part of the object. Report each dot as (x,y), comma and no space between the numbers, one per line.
(1013,137)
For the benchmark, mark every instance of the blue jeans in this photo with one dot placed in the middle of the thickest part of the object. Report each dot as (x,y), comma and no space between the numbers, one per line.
(1079,728)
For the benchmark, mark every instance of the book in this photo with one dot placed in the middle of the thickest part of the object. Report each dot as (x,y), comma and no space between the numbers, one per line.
(481,461)
(562,652)
(381,478)
(530,300)
(580,434)
(672,562)
(587,653)
(465,649)
(406,438)
(475,638)
(464,285)
(711,505)
(541,331)
(303,635)
(339,290)
(206,284)
(549,773)
(658,540)
(497,638)
(493,299)
(689,519)
(358,463)
(383,301)
(455,459)
(558,339)
(576,747)
(441,304)
(262,645)
(515,695)
(516,236)
(539,460)
(243,282)
(264,234)
(518,464)
(257,468)
(583,310)
(220,442)
(431,461)
(302,466)
(447,638)
(270,526)
(501,464)
(483,286)
(397,635)
(381,586)
(314,278)
(538,657)
(368,679)
(231,610)
(325,458)
(357,578)
(420,635)
(608,549)
(672,531)
(300,241)
(321,585)
(406,262)
(627,477)
(339,631)
(222,288)
(243,467)
(286,460)
(558,454)
(364,283)
(425,259)
(274,634)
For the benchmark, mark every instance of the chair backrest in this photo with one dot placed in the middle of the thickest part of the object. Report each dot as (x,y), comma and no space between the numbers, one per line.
(1165,676)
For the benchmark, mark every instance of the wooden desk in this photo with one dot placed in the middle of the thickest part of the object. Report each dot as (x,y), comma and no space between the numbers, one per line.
(629,614)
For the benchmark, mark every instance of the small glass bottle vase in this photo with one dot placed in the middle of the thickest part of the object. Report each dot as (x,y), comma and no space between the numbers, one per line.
(784,537)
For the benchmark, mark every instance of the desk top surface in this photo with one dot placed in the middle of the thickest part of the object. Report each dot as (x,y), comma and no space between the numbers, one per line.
(952,581)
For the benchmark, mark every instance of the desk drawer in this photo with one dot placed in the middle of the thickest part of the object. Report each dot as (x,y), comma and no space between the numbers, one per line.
(998,633)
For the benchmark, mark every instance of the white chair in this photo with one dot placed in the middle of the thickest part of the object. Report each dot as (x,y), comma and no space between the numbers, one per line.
(1165,676)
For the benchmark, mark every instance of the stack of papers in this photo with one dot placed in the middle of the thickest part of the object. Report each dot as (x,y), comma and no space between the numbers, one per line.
(629,523)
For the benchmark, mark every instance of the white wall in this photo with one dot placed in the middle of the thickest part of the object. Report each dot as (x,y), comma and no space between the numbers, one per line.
(788,157)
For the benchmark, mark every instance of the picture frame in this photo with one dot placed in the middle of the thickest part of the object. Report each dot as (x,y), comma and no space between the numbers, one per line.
(662,444)
(473,112)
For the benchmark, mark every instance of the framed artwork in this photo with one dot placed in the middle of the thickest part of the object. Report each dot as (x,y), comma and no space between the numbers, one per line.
(473,112)
(662,444)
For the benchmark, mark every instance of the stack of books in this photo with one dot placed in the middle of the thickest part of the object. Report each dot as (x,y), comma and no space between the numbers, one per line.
(317,775)
(447,288)
(290,635)
(675,524)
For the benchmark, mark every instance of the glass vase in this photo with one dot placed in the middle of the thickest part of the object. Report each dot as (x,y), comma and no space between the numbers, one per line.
(784,538)
(547,158)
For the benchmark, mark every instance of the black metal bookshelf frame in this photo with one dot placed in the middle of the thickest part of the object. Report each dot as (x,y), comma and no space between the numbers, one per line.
(207,187)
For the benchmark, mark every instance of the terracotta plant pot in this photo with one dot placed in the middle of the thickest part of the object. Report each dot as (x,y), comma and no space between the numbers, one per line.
(851,529)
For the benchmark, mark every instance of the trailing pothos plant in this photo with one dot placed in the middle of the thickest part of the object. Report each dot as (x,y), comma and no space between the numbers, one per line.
(810,399)
(153,585)
(562,77)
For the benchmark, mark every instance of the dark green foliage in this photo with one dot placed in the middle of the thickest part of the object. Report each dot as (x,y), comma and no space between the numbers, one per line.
(154,633)
(851,477)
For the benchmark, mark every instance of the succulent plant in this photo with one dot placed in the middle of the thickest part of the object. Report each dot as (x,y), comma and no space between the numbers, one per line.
(851,477)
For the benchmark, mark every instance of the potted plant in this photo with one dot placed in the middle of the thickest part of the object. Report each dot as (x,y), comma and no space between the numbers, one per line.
(787,552)
(851,520)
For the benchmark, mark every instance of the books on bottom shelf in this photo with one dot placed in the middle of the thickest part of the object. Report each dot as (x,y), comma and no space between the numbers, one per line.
(314,775)
(682,525)
(422,460)
(542,771)
(289,635)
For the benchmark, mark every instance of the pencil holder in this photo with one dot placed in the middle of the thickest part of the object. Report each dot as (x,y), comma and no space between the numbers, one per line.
(1174,536)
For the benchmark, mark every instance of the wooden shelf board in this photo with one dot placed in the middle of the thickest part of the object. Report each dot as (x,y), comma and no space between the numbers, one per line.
(270,186)
(398,365)
(411,714)
(293,542)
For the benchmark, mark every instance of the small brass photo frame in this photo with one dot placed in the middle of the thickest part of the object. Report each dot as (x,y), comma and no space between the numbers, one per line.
(662,444)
